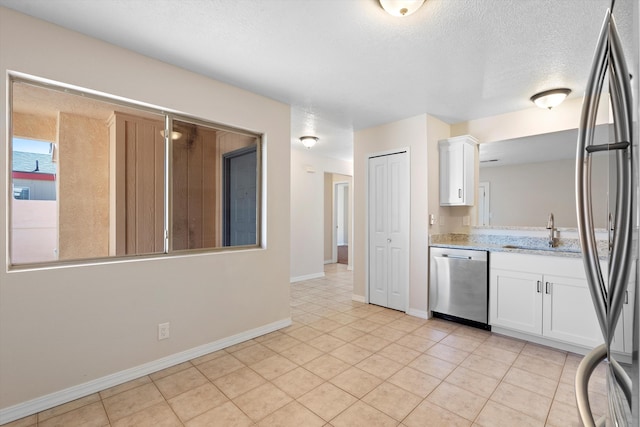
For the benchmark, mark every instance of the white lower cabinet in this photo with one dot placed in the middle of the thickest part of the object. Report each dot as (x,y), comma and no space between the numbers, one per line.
(568,311)
(623,338)
(514,301)
(545,296)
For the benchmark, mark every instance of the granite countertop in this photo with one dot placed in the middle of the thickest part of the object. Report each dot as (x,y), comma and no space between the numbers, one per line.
(513,243)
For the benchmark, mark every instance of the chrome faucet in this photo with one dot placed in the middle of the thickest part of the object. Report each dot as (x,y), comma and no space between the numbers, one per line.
(551,229)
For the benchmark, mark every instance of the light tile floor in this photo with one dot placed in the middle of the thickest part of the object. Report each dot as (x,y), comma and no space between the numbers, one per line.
(343,363)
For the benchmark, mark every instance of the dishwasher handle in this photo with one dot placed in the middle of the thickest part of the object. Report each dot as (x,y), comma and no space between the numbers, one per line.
(455,256)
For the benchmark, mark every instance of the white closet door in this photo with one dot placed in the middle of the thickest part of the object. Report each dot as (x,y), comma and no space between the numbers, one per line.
(389,230)
(378,220)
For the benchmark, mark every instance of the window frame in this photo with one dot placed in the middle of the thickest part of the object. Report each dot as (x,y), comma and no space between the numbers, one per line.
(169,117)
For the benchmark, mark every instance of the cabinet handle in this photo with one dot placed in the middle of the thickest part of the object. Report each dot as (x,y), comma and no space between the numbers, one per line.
(547,288)
(626,297)
(459,193)
(539,286)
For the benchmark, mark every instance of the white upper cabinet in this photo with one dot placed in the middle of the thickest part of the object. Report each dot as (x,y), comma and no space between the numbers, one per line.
(457,170)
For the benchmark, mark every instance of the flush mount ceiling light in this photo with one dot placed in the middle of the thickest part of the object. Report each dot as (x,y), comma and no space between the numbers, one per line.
(401,7)
(174,135)
(550,98)
(308,141)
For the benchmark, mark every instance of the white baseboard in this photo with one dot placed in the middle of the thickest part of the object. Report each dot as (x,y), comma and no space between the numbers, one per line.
(349,267)
(357,298)
(306,277)
(328,261)
(577,349)
(48,401)
(418,313)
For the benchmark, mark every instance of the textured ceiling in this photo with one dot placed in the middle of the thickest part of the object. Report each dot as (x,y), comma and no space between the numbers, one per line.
(345,65)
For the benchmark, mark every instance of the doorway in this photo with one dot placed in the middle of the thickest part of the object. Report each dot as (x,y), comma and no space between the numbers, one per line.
(388,219)
(484,202)
(337,218)
(341,222)
(240,197)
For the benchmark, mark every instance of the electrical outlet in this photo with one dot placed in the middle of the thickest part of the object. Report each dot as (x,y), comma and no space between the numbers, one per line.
(163,331)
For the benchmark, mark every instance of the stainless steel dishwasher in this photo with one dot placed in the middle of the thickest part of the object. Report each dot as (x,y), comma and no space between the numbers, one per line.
(459,285)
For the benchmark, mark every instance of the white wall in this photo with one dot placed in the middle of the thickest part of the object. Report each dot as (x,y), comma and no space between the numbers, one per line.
(525,194)
(531,121)
(307,211)
(420,134)
(70,325)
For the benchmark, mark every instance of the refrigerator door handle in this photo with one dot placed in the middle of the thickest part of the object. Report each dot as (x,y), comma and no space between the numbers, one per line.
(584,210)
(608,302)
(620,260)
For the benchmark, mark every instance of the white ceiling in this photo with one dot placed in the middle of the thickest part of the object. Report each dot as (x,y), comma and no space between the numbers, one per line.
(345,65)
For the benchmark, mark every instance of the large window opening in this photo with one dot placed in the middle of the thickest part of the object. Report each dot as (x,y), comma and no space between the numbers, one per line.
(115,179)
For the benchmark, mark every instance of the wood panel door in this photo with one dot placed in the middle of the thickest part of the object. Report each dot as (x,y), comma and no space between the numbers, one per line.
(137,185)
(194,196)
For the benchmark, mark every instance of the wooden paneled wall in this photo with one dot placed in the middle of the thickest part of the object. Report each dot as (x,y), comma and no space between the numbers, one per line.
(137,185)
(195,201)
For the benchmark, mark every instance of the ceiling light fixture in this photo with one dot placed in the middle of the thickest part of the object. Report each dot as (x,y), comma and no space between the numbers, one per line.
(401,7)
(550,98)
(308,141)
(174,135)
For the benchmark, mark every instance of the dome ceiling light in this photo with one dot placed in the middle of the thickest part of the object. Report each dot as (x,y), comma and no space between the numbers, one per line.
(308,141)
(550,98)
(401,7)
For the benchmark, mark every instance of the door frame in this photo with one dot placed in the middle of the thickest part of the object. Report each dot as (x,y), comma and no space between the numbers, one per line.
(486,185)
(334,215)
(366,196)
(226,190)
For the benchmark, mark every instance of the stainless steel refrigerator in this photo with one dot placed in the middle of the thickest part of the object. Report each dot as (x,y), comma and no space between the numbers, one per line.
(612,274)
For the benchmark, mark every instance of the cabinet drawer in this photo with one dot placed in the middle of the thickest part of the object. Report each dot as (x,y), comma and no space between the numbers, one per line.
(548,264)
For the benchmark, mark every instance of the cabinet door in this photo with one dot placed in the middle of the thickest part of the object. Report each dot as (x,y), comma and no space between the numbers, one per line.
(451,174)
(623,338)
(618,341)
(515,300)
(569,314)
